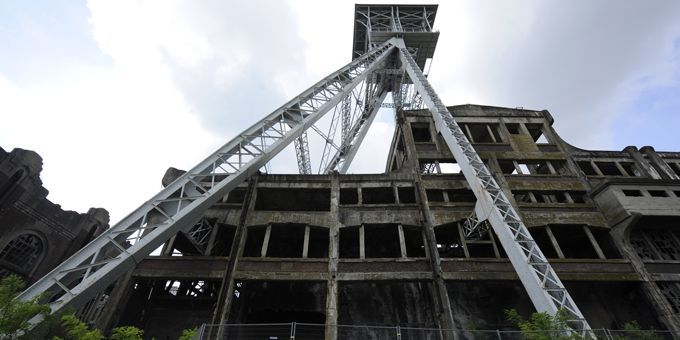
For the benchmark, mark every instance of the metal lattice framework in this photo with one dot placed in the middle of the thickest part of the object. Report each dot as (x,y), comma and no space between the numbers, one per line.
(351,98)
(180,205)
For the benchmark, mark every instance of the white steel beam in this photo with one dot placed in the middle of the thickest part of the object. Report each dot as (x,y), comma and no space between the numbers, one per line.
(182,203)
(539,279)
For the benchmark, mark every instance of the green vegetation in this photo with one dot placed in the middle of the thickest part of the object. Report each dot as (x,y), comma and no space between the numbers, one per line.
(189,334)
(14,315)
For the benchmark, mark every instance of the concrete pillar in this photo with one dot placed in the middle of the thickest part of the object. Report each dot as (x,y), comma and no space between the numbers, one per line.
(646,169)
(224,298)
(662,167)
(402,241)
(362,242)
(441,297)
(333,255)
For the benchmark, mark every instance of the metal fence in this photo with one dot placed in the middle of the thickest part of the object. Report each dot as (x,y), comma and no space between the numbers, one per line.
(306,331)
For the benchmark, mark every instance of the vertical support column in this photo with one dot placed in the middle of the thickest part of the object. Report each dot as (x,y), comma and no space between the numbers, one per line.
(402,241)
(440,297)
(265,243)
(642,165)
(333,255)
(226,293)
(305,246)
(362,243)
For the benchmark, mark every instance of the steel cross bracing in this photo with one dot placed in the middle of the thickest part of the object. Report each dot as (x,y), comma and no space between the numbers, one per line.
(182,203)
(539,279)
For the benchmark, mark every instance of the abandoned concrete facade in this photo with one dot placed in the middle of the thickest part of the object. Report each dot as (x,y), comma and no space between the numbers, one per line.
(387,249)
(36,234)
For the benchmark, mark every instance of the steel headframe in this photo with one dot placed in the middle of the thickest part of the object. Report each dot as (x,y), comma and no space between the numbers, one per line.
(182,203)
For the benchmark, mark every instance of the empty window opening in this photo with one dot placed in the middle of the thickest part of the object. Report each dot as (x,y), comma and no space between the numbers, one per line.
(435,195)
(540,235)
(421,132)
(448,241)
(522,196)
(349,196)
(536,132)
(449,168)
(480,249)
(658,193)
(604,240)
(384,195)
(429,167)
(632,193)
(318,242)
(381,240)
(524,168)
(277,302)
(543,140)
(555,196)
(587,168)
(578,196)
(224,240)
(461,195)
(280,199)
(677,193)
(406,194)
(286,240)
(513,129)
(608,168)
(482,133)
(236,195)
(413,238)
(630,168)
(675,167)
(23,253)
(254,241)
(349,242)
(573,241)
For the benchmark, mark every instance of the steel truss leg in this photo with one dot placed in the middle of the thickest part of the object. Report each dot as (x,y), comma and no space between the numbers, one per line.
(182,203)
(539,279)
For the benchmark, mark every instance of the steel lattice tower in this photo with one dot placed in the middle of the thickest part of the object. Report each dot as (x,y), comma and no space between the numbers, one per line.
(391,46)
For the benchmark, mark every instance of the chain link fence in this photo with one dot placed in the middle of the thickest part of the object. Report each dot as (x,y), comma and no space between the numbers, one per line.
(306,331)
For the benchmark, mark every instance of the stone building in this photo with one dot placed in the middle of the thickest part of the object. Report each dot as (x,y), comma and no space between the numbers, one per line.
(36,234)
(388,249)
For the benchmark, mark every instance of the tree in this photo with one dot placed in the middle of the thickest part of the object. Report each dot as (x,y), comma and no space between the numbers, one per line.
(543,326)
(188,334)
(15,314)
(127,333)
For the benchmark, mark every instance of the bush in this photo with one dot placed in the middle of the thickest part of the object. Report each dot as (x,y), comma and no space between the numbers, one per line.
(15,314)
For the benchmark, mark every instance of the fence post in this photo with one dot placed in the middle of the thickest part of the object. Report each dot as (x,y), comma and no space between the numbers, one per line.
(398,332)
(293,325)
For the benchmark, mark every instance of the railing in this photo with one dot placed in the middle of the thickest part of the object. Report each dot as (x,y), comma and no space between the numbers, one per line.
(307,331)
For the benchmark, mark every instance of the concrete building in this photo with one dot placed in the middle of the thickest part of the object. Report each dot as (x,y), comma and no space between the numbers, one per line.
(36,234)
(388,249)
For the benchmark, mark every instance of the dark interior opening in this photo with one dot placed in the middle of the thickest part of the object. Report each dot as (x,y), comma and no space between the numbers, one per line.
(480,249)
(406,194)
(632,193)
(608,168)
(279,302)
(535,130)
(448,242)
(461,195)
(381,240)
(318,242)
(349,242)
(573,241)
(237,195)
(286,240)
(630,168)
(349,196)
(254,241)
(384,195)
(435,195)
(587,168)
(513,128)
(413,238)
(421,132)
(658,193)
(224,239)
(540,235)
(604,240)
(290,199)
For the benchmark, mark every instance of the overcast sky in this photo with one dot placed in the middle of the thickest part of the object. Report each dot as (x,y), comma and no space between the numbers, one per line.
(111,93)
